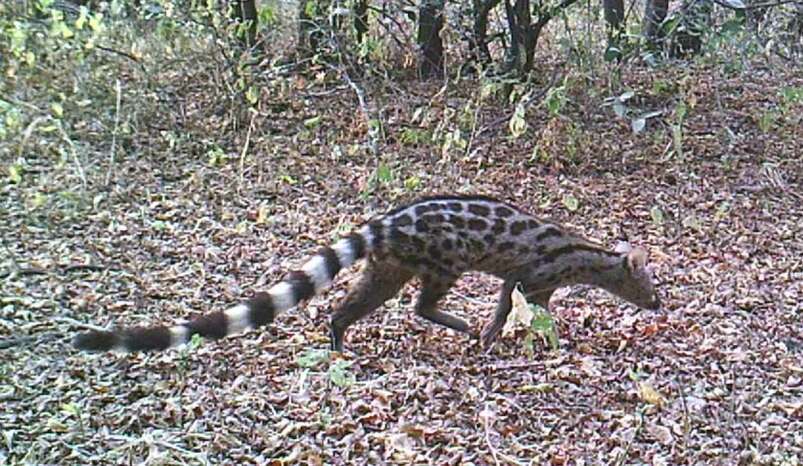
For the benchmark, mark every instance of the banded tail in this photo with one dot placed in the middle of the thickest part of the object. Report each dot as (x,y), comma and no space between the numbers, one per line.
(299,285)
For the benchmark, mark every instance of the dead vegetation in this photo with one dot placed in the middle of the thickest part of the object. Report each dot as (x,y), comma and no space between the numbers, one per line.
(193,205)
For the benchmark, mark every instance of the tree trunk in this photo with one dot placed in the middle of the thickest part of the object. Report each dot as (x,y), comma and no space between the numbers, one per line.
(795,28)
(311,24)
(518,21)
(654,15)
(524,33)
(360,19)
(695,20)
(614,13)
(245,12)
(430,24)
(479,40)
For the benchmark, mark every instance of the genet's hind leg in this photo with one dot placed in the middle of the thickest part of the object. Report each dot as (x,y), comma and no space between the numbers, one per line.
(503,308)
(427,303)
(379,282)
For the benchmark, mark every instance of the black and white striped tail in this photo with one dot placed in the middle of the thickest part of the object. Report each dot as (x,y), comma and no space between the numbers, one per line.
(300,285)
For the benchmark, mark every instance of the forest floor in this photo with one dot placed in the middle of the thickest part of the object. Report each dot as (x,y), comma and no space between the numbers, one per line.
(188,223)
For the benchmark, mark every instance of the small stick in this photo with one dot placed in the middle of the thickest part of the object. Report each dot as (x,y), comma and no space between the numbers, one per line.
(119,90)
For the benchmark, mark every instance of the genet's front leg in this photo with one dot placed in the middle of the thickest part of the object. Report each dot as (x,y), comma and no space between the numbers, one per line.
(500,317)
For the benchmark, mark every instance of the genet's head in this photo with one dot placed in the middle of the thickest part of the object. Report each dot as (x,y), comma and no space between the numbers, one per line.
(636,284)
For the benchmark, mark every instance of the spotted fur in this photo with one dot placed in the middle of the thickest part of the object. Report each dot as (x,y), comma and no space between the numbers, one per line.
(435,239)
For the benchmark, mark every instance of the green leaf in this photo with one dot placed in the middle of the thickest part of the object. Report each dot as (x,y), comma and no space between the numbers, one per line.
(412,183)
(15,173)
(677,139)
(38,200)
(58,110)
(612,53)
(312,358)
(680,111)
(732,26)
(384,174)
(312,122)
(96,22)
(252,96)
(288,179)
(657,215)
(71,409)
(340,375)
(544,324)
(195,342)
(571,202)
(556,99)
(80,22)
(517,124)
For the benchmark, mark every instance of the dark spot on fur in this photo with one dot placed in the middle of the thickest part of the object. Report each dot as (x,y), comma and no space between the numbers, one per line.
(517,228)
(532,224)
(421,226)
(499,226)
(447,244)
(479,209)
(457,221)
(434,218)
(409,259)
(434,252)
(397,236)
(503,211)
(506,246)
(548,231)
(423,261)
(490,239)
(455,206)
(476,245)
(477,224)
(402,221)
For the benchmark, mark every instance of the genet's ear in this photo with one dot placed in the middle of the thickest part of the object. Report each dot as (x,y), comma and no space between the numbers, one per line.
(622,247)
(636,259)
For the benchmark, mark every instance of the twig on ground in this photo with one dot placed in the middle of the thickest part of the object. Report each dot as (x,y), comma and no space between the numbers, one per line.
(78,167)
(11,342)
(118,88)
(244,152)
(623,457)
(81,325)
(686,421)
